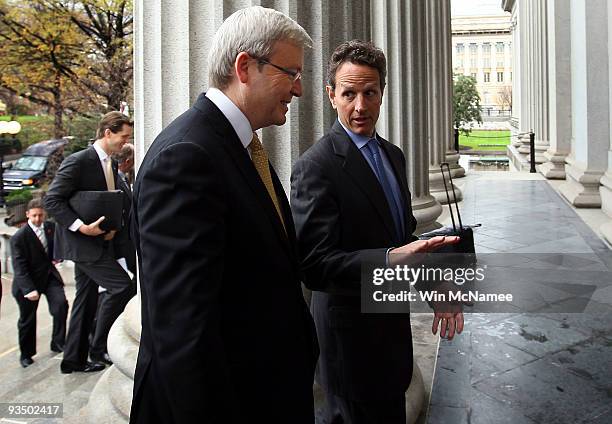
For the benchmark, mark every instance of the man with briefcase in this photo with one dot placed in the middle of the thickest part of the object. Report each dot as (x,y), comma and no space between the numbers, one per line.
(87,178)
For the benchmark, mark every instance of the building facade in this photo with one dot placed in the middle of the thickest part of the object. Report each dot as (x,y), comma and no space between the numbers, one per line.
(482,48)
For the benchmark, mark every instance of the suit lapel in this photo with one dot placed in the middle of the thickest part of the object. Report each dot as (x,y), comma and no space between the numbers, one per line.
(358,168)
(35,240)
(239,155)
(97,167)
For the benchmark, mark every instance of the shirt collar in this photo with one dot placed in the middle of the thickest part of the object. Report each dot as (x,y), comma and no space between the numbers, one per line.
(237,119)
(101,153)
(34,227)
(358,139)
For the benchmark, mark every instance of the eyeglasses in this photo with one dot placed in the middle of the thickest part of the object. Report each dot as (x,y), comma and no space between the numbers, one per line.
(294,74)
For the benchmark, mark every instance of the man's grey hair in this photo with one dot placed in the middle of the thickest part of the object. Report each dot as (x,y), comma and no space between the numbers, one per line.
(253,30)
(126,152)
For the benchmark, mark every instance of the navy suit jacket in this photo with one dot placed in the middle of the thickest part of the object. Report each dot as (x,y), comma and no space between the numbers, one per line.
(225,328)
(342,220)
(32,266)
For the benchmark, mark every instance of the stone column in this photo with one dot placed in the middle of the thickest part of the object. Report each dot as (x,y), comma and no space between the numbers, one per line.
(446,45)
(590,103)
(512,6)
(438,104)
(399,28)
(536,79)
(540,78)
(559,94)
(606,181)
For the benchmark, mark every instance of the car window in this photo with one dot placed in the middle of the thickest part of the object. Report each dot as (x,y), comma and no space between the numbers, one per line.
(30,163)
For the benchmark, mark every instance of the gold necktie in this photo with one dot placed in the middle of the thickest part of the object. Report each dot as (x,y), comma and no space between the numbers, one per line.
(260,160)
(108,174)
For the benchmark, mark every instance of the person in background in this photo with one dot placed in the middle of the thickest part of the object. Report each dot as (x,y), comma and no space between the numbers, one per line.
(97,254)
(34,275)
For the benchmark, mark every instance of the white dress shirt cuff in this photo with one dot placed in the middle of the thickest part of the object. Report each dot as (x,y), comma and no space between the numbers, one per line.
(75,225)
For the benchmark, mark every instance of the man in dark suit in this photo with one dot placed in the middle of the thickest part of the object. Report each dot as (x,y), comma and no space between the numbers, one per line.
(226,333)
(99,256)
(351,205)
(34,274)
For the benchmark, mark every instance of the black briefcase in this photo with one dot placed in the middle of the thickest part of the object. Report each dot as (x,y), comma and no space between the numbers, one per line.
(91,205)
(464,232)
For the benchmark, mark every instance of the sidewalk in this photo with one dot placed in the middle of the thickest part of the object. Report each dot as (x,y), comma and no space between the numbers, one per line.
(535,365)
(42,381)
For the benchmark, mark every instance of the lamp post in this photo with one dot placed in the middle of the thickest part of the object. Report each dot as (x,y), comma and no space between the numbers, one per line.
(13,128)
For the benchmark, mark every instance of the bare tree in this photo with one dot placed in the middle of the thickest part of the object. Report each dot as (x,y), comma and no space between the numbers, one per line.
(504,98)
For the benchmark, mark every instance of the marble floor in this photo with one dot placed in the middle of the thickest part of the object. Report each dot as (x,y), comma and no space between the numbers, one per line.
(545,359)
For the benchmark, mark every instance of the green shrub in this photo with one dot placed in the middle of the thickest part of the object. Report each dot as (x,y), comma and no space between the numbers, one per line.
(17,197)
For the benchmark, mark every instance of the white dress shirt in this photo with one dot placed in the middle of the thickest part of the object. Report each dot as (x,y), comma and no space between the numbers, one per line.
(237,119)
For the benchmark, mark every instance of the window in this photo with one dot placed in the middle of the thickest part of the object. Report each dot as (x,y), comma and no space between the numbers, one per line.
(473,48)
(500,77)
(510,76)
(487,77)
(486,62)
(499,48)
(486,48)
(473,61)
(460,48)
(473,75)
(500,62)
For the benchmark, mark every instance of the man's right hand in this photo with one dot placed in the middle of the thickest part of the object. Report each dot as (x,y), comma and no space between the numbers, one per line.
(419,246)
(32,296)
(92,229)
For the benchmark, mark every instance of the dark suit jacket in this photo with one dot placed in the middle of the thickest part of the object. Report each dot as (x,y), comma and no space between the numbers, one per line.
(342,219)
(226,333)
(32,266)
(124,244)
(78,172)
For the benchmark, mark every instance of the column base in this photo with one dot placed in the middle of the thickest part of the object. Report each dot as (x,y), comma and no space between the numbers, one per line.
(581,188)
(554,166)
(452,158)
(111,399)
(520,162)
(437,189)
(606,231)
(426,210)
(605,191)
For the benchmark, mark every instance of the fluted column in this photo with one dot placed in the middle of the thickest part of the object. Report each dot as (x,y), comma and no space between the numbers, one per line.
(606,181)
(536,78)
(451,155)
(590,83)
(525,122)
(559,94)
(513,6)
(399,28)
(438,104)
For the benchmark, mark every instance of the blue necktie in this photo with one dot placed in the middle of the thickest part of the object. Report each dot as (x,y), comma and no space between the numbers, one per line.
(386,186)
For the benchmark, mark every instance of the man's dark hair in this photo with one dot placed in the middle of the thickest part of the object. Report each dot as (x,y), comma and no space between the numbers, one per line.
(35,204)
(113,121)
(358,52)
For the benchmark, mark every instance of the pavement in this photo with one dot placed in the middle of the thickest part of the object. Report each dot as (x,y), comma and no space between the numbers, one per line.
(547,358)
